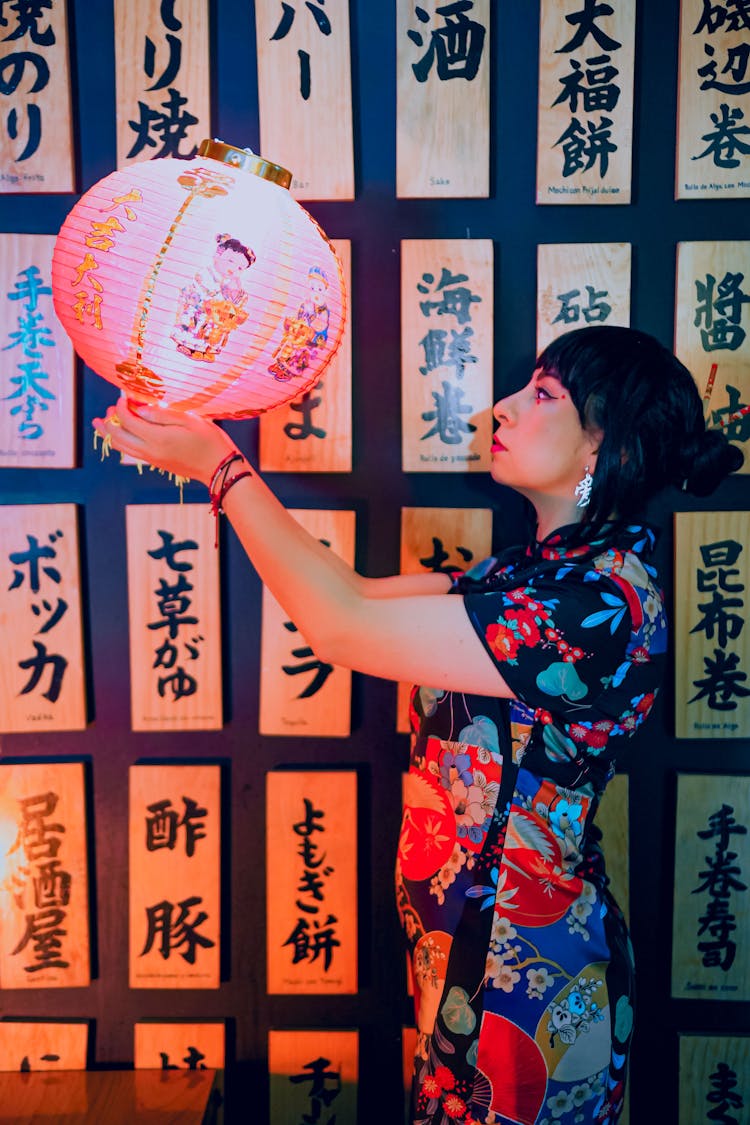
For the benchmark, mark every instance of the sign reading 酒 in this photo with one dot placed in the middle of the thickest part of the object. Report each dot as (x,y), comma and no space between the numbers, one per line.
(586,57)
(711,927)
(443,98)
(713,123)
(446,355)
(311,881)
(44,904)
(314,1076)
(175,835)
(162,78)
(580,284)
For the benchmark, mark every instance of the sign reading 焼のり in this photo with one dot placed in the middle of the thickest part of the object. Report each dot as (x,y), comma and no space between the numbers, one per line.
(37,395)
(586,57)
(44,898)
(173,599)
(301,694)
(446,355)
(27,1045)
(440,541)
(41,658)
(179,1045)
(314,1076)
(711,925)
(713,122)
(303,50)
(712,638)
(313,433)
(175,835)
(443,99)
(311,882)
(162,78)
(36,150)
(580,284)
(714,1078)
(712,327)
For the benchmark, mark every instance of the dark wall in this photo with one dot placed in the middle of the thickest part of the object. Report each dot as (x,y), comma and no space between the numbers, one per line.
(375,222)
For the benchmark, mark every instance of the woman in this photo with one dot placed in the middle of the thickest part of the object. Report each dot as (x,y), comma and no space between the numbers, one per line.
(535,675)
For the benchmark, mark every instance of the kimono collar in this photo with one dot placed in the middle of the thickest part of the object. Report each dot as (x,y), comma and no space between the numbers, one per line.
(624,537)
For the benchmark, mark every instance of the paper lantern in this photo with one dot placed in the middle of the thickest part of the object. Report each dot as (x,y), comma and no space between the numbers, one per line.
(201,284)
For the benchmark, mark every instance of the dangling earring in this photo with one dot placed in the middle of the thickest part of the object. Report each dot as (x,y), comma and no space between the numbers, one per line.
(583,489)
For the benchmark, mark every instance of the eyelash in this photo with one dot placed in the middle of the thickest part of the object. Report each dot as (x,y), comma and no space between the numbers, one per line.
(542,391)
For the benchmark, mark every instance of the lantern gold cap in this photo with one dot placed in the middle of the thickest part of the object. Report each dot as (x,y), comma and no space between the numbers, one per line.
(246,159)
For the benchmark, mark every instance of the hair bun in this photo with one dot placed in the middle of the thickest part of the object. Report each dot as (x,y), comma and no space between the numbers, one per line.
(706,459)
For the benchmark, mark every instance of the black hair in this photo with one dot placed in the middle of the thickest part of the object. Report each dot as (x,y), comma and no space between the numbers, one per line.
(648,407)
(226,242)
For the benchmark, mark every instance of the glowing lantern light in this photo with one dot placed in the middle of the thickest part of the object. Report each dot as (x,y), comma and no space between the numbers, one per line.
(201,284)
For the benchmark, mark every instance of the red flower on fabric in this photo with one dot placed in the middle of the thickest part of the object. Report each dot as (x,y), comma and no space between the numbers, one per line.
(445,1077)
(455,1107)
(645,704)
(577,732)
(640,655)
(523,619)
(503,642)
(431,1088)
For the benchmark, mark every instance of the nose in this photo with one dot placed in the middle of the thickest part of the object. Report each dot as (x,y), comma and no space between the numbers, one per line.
(504,408)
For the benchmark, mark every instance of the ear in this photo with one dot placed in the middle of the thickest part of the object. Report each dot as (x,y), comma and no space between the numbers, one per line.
(593,441)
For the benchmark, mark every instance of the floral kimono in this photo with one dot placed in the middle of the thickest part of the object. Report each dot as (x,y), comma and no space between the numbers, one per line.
(521,961)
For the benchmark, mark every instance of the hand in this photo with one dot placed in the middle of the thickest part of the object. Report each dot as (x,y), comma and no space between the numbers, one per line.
(182,443)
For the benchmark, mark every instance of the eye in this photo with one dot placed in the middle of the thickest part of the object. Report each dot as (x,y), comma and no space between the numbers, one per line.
(541,393)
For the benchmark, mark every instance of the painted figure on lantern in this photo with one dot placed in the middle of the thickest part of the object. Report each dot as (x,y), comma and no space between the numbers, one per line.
(213,303)
(306,331)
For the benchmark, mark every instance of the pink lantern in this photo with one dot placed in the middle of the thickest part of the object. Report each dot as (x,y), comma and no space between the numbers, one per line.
(201,284)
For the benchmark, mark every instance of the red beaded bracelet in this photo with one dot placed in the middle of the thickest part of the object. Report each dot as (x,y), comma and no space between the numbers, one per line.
(220,484)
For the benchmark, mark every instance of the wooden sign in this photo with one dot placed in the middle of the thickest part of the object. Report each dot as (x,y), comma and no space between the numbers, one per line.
(714,1078)
(37,392)
(175,861)
(175,625)
(440,539)
(313,1076)
(713,154)
(41,661)
(27,1045)
(36,141)
(178,1044)
(712,638)
(446,354)
(305,95)
(162,73)
(44,897)
(408,1051)
(313,433)
(311,881)
(711,925)
(612,819)
(299,694)
(712,326)
(585,139)
(580,284)
(443,100)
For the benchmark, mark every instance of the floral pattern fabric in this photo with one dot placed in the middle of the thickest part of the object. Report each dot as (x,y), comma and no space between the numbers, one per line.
(521,962)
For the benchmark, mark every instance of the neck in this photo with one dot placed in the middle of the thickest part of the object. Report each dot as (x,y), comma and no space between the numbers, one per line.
(552,512)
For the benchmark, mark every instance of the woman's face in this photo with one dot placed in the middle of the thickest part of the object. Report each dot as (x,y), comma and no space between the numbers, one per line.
(229,263)
(540,447)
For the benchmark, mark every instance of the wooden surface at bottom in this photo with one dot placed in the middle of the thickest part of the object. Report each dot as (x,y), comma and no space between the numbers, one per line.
(117,1097)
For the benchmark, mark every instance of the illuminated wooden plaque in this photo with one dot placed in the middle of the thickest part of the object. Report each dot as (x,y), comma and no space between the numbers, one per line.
(175,626)
(712,637)
(37,392)
(311,880)
(43,1045)
(41,660)
(408,1051)
(580,284)
(300,694)
(162,75)
(435,539)
(585,139)
(313,1073)
(313,433)
(44,898)
(443,100)
(446,354)
(711,924)
(712,326)
(713,154)
(175,837)
(612,819)
(198,1045)
(714,1078)
(36,146)
(305,95)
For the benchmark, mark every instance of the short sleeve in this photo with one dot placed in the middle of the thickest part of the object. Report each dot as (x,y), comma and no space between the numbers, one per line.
(558,639)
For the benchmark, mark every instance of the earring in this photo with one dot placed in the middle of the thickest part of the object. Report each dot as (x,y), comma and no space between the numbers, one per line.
(583,489)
